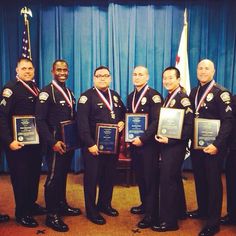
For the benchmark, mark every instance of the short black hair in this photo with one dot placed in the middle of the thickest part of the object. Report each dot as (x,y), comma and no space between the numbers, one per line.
(177,72)
(24,59)
(101,68)
(59,60)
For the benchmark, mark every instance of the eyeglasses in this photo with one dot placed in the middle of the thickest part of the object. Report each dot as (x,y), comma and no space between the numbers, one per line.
(100,76)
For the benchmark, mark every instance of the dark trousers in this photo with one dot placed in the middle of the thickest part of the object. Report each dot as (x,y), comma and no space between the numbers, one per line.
(145,162)
(172,197)
(230,172)
(98,171)
(25,167)
(207,174)
(55,186)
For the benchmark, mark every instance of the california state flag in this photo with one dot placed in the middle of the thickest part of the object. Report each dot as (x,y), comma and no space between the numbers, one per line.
(182,57)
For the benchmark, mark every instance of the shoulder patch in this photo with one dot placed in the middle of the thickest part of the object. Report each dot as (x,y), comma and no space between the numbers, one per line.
(156,99)
(43,96)
(7,93)
(225,97)
(83,99)
(185,102)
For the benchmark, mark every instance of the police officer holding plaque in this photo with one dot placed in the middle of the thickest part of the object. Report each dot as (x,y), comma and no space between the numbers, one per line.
(101,105)
(24,161)
(212,102)
(56,104)
(144,151)
(173,149)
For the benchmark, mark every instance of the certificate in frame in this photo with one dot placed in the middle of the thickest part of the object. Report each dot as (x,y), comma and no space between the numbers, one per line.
(170,123)
(107,138)
(70,134)
(25,130)
(205,132)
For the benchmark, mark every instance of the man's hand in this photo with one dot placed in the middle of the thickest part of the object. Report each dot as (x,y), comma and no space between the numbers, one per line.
(121,125)
(59,147)
(137,142)
(15,145)
(161,139)
(94,150)
(211,149)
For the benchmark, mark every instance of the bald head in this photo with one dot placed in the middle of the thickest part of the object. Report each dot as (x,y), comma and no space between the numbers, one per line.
(205,71)
(140,77)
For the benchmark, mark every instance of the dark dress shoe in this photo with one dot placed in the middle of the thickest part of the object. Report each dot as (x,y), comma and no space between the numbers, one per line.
(146,222)
(183,216)
(195,214)
(37,210)
(54,222)
(164,227)
(139,210)
(228,220)
(67,210)
(209,231)
(27,221)
(4,218)
(97,219)
(108,211)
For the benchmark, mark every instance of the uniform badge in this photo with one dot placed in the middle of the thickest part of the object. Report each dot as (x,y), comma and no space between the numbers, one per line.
(83,99)
(225,97)
(185,102)
(209,97)
(43,96)
(144,100)
(115,98)
(156,99)
(7,93)
(172,103)
(3,102)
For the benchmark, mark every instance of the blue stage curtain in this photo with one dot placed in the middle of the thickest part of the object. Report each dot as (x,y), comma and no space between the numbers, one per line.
(121,35)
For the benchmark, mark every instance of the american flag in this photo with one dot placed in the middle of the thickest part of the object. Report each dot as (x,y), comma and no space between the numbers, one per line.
(26,47)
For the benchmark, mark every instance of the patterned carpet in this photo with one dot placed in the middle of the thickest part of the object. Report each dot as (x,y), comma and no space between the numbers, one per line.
(123,225)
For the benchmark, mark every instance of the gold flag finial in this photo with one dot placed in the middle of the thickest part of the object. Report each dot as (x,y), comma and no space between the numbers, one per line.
(26,11)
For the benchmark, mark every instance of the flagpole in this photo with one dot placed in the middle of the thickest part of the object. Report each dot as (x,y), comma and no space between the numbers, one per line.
(26,11)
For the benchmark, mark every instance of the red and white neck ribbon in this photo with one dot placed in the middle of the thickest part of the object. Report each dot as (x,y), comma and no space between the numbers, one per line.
(209,87)
(109,104)
(172,97)
(34,91)
(135,107)
(67,98)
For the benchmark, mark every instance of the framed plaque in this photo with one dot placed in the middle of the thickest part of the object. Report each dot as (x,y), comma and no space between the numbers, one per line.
(205,132)
(171,122)
(25,130)
(70,134)
(107,138)
(135,125)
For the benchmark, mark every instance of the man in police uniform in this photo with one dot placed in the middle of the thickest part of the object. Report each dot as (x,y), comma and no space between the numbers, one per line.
(211,102)
(56,103)
(24,161)
(172,155)
(230,173)
(99,104)
(144,150)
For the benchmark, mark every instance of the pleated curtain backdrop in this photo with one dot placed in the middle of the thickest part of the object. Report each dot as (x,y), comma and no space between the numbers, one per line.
(120,35)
